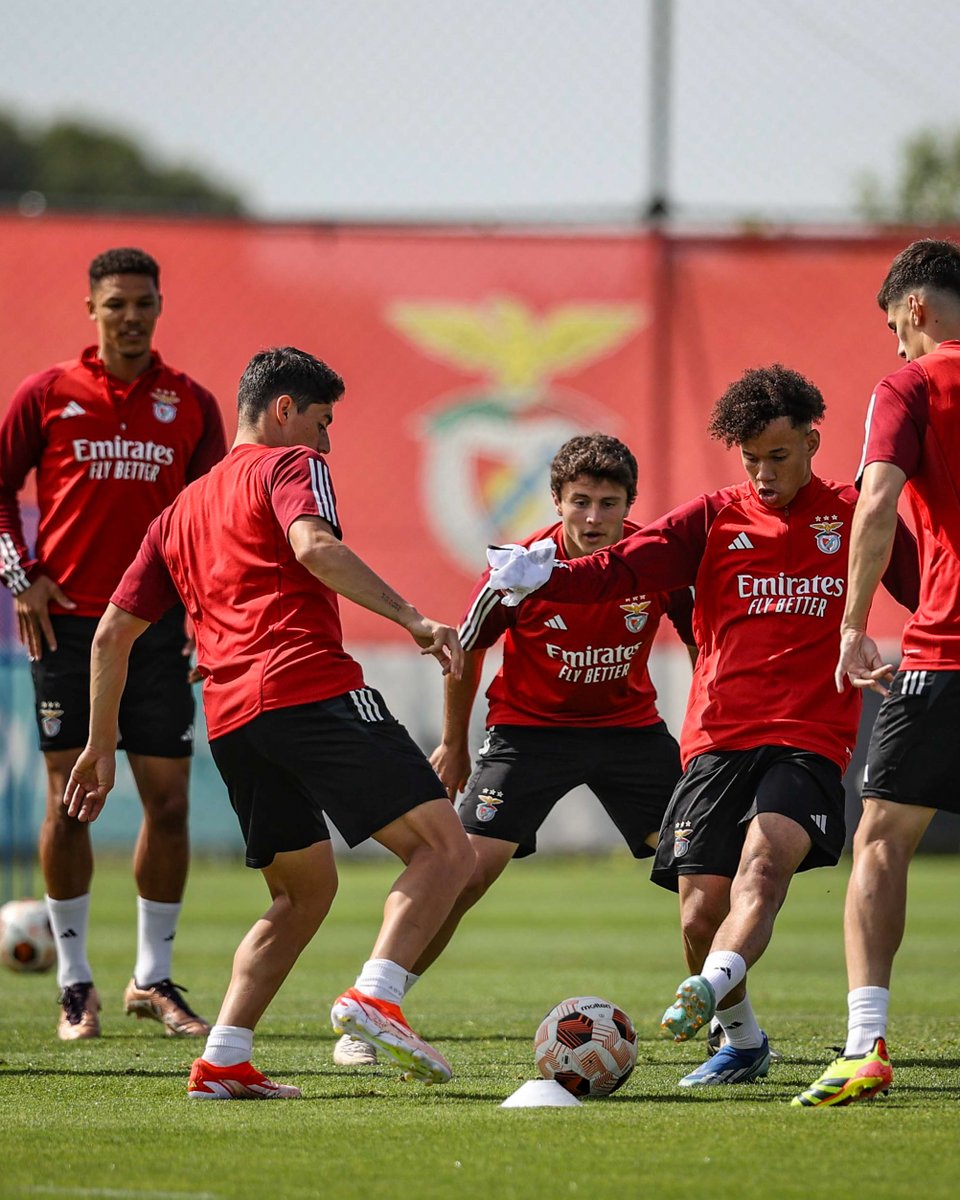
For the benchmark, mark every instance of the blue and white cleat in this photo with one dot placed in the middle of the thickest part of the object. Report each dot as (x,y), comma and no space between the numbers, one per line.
(693,1007)
(729,1065)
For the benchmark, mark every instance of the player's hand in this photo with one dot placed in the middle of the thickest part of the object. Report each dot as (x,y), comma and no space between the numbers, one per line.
(441,641)
(861,664)
(519,570)
(90,780)
(33,617)
(452,764)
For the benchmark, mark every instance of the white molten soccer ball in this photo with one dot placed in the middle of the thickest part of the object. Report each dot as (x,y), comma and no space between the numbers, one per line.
(586,1044)
(26,939)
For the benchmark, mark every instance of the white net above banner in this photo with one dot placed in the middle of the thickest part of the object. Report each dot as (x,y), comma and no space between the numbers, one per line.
(539,110)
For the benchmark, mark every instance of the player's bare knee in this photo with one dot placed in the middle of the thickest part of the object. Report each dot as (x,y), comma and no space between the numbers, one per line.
(166,812)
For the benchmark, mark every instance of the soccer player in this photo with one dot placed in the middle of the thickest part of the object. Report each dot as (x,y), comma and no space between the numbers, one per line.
(254,550)
(573,702)
(766,736)
(912,444)
(113,436)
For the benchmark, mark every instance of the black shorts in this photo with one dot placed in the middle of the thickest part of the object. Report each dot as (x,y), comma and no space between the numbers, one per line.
(347,757)
(914,752)
(720,793)
(157,707)
(522,771)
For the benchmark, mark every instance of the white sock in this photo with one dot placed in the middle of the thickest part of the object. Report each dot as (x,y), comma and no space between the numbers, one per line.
(383,979)
(156,929)
(411,980)
(228,1045)
(69,920)
(723,970)
(740,1025)
(866,1018)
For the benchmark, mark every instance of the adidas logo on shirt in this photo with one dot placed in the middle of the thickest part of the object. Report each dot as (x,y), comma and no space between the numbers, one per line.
(556,622)
(741,542)
(73,409)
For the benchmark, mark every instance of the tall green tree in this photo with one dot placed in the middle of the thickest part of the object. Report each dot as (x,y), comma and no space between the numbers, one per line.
(75,164)
(926,189)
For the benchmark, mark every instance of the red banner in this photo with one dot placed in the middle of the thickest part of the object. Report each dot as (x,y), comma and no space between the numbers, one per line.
(469,357)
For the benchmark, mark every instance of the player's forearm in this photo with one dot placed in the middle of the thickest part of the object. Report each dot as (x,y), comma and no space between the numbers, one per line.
(458,698)
(871,540)
(336,565)
(110,656)
(640,563)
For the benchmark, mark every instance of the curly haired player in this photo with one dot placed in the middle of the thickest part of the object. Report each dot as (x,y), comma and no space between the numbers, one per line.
(766,736)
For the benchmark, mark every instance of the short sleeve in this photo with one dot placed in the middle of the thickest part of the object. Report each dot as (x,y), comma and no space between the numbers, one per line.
(896,421)
(299,485)
(147,589)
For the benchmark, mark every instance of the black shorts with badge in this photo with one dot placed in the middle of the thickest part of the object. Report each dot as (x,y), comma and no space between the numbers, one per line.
(721,792)
(157,707)
(523,770)
(914,752)
(347,757)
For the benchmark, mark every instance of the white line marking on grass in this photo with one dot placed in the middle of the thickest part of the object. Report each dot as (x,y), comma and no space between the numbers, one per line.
(120,1193)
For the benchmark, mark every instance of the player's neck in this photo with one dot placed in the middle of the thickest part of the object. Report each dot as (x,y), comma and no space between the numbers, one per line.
(125,369)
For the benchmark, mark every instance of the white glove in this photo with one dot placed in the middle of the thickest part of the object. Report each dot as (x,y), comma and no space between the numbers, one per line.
(520,570)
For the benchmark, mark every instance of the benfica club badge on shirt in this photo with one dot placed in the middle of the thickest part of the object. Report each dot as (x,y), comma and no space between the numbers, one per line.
(828,540)
(165,405)
(637,615)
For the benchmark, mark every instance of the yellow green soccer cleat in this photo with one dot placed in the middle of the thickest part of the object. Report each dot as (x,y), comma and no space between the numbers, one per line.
(849,1079)
(693,1007)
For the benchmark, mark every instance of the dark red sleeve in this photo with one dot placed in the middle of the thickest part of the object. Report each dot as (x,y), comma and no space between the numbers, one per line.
(212,445)
(486,619)
(299,485)
(897,421)
(660,557)
(680,611)
(147,589)
(902,576)
(21,448)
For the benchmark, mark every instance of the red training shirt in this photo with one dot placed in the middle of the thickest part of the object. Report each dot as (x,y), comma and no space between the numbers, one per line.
(769,589)
(268,632)
(109,457)
(914,422)
(583,666)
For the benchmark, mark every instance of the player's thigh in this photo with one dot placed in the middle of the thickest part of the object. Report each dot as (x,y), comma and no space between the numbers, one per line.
(702,831)
(358,762)
(276,811)
(520,774)
(807,789)
(633,775)
(914,752)
(61,685)
(157,709)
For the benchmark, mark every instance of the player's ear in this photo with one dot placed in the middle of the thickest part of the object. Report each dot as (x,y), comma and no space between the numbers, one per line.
(91,311)
(556,502)
(813,442)
(283,406)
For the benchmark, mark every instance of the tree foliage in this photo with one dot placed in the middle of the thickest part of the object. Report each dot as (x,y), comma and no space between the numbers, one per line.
(927,187)
(73,164)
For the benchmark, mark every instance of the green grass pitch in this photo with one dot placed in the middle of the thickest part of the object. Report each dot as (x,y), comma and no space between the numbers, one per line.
(110,1118)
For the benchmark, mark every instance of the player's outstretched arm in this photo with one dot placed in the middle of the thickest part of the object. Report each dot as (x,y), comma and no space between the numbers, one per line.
(93,775)
(451,759)
(318,549)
